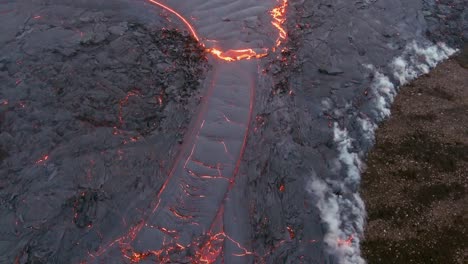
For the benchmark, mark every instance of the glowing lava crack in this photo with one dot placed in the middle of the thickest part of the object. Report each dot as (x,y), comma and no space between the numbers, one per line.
(188,222)
(278,19)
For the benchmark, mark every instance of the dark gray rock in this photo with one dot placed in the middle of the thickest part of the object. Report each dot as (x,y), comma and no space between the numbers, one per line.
(330,71)
(85,136)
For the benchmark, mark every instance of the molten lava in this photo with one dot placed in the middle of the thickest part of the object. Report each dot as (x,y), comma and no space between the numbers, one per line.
(279,18)
(190,27)
(235,55)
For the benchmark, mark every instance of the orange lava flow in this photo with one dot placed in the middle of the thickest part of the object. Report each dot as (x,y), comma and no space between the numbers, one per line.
(192,30)
(279,18)
(235,55)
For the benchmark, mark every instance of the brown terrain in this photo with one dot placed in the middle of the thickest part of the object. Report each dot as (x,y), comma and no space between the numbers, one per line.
(416,180)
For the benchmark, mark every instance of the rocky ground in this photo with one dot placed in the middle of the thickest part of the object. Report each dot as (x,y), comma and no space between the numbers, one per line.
(416,180)
(93,105)
(447,21)
(309,132)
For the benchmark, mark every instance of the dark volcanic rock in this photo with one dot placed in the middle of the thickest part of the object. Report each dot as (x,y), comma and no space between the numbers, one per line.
(447,21)
(330,71)
(315,124)
(84,206)
(92,104)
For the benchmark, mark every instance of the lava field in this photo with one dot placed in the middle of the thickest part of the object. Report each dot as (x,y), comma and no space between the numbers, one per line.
(201,131)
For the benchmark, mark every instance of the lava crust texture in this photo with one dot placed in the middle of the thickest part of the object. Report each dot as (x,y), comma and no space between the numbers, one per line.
(200,131)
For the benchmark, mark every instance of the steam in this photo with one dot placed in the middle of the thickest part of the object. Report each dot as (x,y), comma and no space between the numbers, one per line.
(414,61)
(417,60)
(384,93)
(338,201)
(340,206)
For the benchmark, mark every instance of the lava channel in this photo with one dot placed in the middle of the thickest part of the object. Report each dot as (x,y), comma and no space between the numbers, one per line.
(187,223)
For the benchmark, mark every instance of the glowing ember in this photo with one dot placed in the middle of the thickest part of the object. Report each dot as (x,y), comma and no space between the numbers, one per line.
(136,257)
(210,251)
(179,215)
(159,99)
(244,250)
(43,159)
(292,234)
(282,188)
(345,242)
(124,102)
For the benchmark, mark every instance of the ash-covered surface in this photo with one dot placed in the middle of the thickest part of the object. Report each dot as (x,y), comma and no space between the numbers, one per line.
(93,105)
(94,102)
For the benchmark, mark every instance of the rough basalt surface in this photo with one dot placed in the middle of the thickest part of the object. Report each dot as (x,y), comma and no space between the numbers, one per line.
(93,106)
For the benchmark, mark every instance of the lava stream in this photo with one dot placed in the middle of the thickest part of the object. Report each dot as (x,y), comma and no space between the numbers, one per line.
(278,19)
(188,212)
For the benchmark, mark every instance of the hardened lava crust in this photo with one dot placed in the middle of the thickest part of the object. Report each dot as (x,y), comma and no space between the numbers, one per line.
(200,131)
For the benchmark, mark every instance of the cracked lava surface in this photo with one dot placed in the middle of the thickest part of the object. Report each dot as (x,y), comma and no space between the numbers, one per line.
(97,95)
(188,223)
